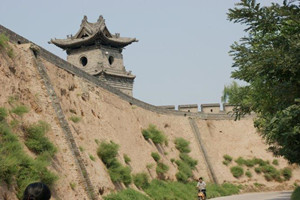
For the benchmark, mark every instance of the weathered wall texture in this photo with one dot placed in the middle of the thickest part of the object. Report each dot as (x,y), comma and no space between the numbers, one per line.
(107,114)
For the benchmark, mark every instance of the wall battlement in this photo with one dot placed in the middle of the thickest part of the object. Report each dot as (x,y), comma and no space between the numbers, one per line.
(63,64)
(212,108)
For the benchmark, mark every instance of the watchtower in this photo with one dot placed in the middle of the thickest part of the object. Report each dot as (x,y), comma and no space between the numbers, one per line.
(98,52)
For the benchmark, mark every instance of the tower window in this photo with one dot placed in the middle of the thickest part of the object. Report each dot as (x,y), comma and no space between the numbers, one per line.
(83,61)
(111,60)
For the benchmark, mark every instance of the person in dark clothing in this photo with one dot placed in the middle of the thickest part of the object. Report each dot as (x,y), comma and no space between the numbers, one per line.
(37,191)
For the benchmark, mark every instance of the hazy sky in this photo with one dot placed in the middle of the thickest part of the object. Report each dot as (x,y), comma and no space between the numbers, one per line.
(182,53)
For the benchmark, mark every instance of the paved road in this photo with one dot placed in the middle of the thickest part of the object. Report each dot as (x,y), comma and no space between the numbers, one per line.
(285,195)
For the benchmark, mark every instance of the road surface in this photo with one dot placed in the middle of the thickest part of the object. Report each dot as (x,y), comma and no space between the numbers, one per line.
(284,195)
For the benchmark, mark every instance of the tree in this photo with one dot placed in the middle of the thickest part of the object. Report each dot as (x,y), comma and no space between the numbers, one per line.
(268,60)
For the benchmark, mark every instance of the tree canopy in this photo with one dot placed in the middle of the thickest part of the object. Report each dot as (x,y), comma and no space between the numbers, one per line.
(268,60)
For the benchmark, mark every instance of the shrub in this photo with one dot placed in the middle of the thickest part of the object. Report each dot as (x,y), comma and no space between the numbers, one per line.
(10,53)
(172,160)
(188,160)
(107,152)
(92,157)
(271,173)
(249,162)
(286,173)
(240,161)
(155,156)
(36,141)
(141,180)
(20,110)
(296,194)
(155,135)
(81,148)
(161,169)
(181,177)
(227,158)
(126,159)
(260,162)
(248,174)
(185,171)
(226,162)
(258,185)
(16,165)
(258,170)
(275,162)
(73,185)
(182,145)
(3,113)
(237,171)
(75,119)
(149,166)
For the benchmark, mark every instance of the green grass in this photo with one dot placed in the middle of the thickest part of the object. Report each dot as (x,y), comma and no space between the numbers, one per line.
(3,113)
(127,194)
(157,136)
(141,180)
(107,152)
(3,41)
(161,169)
(286,173)
(275,162)
(16,166)
(75,119)
(92,157)
(227,157)
(248,174)
(182,145)
(188,160)
(271,173)
(237,171)
(296,194)
(36,141)
(126,159)
(155,156)
(81,149)
(258,170)
(20,110)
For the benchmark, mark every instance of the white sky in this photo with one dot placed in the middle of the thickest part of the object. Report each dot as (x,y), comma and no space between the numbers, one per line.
(182,53)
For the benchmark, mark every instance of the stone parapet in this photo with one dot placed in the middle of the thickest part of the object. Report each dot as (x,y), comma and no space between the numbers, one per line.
(188,108)
(168,107)
(210,108)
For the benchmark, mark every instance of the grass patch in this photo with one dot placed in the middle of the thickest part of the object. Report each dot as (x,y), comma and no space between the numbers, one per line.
(157,136)
(107,152)
(126,159)
(20,110)
(237,171)
(227,157)
(3,41)
(81,149)
(3,113)
(36,141)
(182,145)
(17,167)
(258,185)
(92,157)
(296,194)
(161,169)
(155,156)
(258,170)
(141,180)
(248,174)
(275,162)
(127,194)
(75,119)
(286,173)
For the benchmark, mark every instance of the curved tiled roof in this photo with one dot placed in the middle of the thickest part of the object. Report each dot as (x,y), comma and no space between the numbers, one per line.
(92,33)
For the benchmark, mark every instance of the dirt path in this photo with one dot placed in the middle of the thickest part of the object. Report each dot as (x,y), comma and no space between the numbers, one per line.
(284,195)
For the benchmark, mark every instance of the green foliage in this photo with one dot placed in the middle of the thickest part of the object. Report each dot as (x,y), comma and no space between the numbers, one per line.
(275,162)
(36,141)
(248,174)
(184,171)
(296,194)
(155,156)
(271,173)
(92,157)
(161,169)
(10,53)
(126,159)
(240,161)
(149,166)
(158,137)
(227,157)
(286,173)
(182,145)
(237,171)
(224,189)
(258,185)
(16,165)
(81,148)
(141,180)
(226,162)
(20,110)
(127,194)
(172,160)
(3,41)
(267,59)
(107,152)
(258,170)
(188,160)
(3,113)
(75,119)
